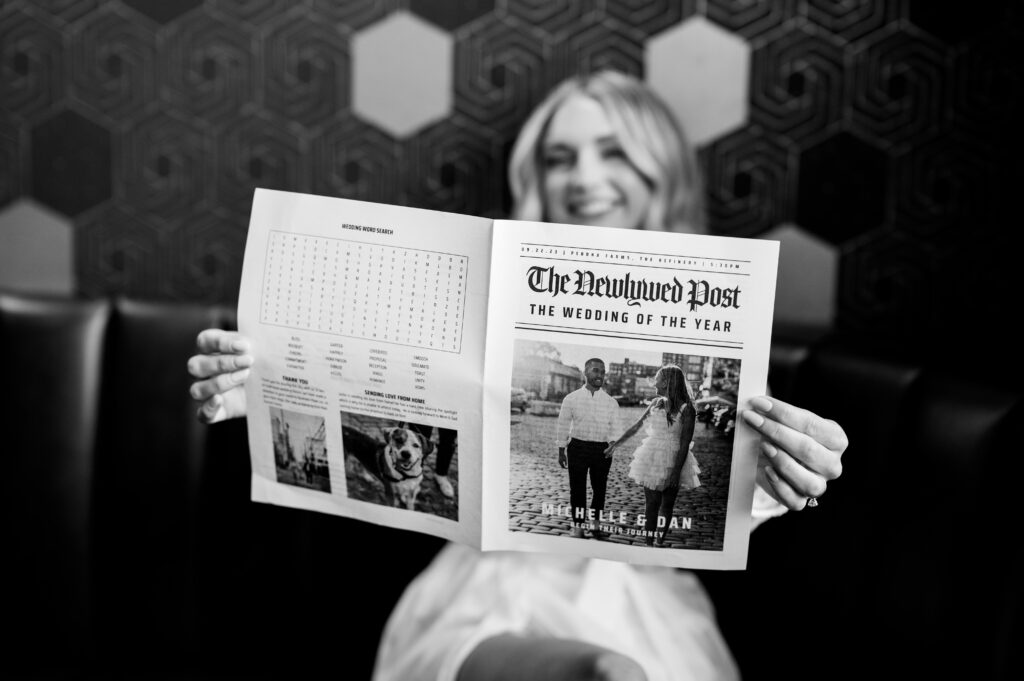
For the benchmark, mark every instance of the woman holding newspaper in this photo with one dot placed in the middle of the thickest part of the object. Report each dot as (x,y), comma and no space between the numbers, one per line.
(599,150)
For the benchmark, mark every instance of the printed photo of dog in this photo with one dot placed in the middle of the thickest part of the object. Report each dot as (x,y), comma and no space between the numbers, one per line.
(400,464)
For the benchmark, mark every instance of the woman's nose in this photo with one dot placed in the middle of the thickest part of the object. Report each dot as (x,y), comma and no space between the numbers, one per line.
(589,169)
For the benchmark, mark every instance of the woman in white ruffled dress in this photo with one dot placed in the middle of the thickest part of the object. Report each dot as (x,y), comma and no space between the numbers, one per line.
(664,462)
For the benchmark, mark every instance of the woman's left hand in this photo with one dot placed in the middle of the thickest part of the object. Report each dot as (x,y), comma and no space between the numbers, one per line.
(800,451)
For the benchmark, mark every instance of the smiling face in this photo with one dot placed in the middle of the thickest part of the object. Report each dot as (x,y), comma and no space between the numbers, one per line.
(594,373)
(588,178)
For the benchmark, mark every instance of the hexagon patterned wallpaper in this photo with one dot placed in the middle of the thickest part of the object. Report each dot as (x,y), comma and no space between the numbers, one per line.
(876,139)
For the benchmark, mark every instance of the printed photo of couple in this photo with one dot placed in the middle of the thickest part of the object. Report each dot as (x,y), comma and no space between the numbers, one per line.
(621,445)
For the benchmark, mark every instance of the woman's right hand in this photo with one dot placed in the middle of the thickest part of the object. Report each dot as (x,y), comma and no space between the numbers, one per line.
(221,369)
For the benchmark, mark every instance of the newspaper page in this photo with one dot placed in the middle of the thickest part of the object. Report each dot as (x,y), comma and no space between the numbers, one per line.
(368,325)
(562,296)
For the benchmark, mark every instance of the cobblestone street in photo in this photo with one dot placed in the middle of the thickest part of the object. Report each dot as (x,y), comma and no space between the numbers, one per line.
(536,478)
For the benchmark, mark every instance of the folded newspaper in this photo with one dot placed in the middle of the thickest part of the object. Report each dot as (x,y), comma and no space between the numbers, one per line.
(463,377)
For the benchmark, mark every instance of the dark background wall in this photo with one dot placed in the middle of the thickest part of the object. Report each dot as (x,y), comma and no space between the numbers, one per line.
(889,130)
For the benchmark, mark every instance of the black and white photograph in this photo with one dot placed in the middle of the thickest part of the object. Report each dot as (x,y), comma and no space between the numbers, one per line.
(157,522)
(621,445)
(402,464)
(300,450)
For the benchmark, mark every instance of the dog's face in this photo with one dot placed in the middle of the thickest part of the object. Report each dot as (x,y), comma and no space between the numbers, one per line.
(405,449)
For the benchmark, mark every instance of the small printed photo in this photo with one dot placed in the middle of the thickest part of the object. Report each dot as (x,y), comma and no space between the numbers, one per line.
(300,453)
(621,445)
(401,464)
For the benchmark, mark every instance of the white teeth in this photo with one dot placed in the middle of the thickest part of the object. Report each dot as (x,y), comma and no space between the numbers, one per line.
(592,207)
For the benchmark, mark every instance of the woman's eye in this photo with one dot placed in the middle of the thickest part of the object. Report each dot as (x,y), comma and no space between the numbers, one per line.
(617,153)
(557,160)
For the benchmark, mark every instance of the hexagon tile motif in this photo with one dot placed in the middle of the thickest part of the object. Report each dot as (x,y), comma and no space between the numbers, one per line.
(70,163)
(206,256)
(702,72)
(556,19)
(880,128)
(751,18)
(306,71)
(842,188)
(499,73)
(208,67)
(451,15)
(747,181)
(113,66)
(32,64)
(402,90)
(805,294)
(355,160)
(355,14)
(165,163)
(117,252)
(163,11)
(647,16)
(258,151)
(35,249)
(596,45)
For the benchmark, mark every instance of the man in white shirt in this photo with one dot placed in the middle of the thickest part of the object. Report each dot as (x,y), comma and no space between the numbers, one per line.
(586,426)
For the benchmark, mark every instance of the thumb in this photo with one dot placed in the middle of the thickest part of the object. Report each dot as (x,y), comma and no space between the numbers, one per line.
(212,410)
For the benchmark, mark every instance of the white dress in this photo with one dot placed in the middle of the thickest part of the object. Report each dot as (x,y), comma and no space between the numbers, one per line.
(654,461)
(660,617)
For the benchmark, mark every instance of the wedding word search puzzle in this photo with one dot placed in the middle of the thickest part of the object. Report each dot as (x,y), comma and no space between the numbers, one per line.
(383,293)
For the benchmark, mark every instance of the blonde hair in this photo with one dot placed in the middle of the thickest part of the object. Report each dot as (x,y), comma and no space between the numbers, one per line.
(649,135)
(677,388)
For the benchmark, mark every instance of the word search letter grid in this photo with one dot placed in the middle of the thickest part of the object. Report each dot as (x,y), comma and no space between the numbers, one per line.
(348,288)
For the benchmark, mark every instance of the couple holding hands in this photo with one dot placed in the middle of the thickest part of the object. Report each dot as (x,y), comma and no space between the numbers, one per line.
(662,465)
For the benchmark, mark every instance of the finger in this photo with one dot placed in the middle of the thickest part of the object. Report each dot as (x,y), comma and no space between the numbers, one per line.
(203,390)
(781,490)
(212,410)
(205,366)
(803,480)
(802,447)
(211,341)
(761,478)
(825,432)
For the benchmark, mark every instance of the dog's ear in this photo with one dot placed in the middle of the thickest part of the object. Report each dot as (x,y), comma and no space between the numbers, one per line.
(425,444)
(398,436)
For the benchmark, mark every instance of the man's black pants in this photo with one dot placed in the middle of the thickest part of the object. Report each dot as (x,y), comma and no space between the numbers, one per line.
(586,457)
